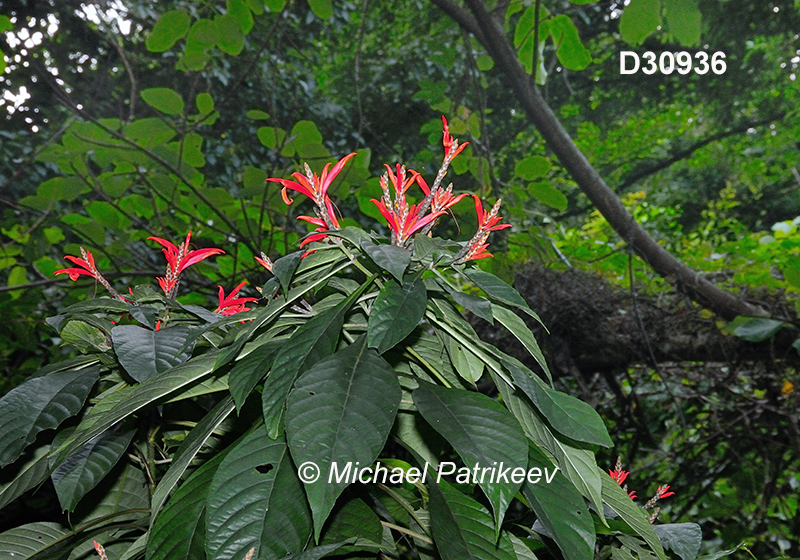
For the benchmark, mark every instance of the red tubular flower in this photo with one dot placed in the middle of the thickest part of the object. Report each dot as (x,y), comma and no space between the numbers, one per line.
(662,493)
(87,265)
(101,552)
(451,146)
(264,261)
(404,223)
(399,180)
(488,221)
(230,304)
(178,260)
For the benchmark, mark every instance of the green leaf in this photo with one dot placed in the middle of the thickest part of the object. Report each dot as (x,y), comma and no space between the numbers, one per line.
(568,415)
(41,403)
(524,27)
(339,412)
(462,528)
(467,364)
(532,167)
(239,10)
(569,48)
(204,103)
(497,437)
(275,5)
(477,305)
(122,495)
(391,258)
(121,404)
(230,38)
(169,28)
(29,474)
(547,194)
(353,519)
(5,24)
(84,469)
(683,21)
(618,500)
(757,329)
(257,115)
(323,9)
(684,539)
(256,500)
(284,268)
(145,353)
(312,341)
(83,337)
(188,450)
(26,541)
(561,509)
(248,371)
(317,552)
(306,132)
(498,290)
(395,314)
(520,330)
(166,100)
(270,137)
(639,20)
(179,531)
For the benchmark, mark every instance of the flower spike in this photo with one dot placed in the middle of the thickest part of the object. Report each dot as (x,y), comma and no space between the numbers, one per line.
(230,304)
(487,222)
(88,268)
(178,260)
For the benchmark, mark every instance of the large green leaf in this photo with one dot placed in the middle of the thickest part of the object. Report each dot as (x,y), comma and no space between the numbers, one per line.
(569,48)
(168,29)
(462,528)
(499,290)
(639,20)
(26,541)
(684,539)
(248,371)
(166,100)
(179,531)
(123,403)
(520,330)
(145,353)
(84,469)
(31,473)
(354,519)
(395,314)
(188,451)
(323,9)
(340,412)
(479,306)
(467,364)
(618,500)
(683,21)
(256,500)
(122,496)
(568,415)
(41,403)
(757,329)
(285,267)
(577,464)
(391,258)
(561,509)
(482,432)
(311,342)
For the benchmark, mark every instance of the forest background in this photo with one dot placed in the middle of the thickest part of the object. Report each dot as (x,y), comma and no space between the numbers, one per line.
(707,164)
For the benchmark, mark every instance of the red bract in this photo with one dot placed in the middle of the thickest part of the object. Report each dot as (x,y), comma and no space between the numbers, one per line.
(451,146)
(487,223)
(405,222)
(178,260)
(87,264)
(662,493)
(230,304)
(264,261)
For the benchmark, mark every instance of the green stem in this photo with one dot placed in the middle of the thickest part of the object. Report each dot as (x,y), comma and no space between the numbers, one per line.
(414,354)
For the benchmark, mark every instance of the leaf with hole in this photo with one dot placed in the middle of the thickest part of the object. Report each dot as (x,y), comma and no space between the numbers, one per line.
(496,438)
(339,412)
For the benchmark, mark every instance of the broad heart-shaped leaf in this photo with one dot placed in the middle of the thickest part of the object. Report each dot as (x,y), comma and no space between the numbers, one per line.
(84,469)
(578,465)
(618,500)
(684,539)
(248,371)
(180,529)
(391,258)
(395,314)
(569,416)
(561,509)
(570,50)
(31,473)
(520,330)
(27,540)
(683,21)
(284,268)
(339,412)
(256,500)
(166,100)
(477,305)
(639,20)
(311,342)
(463,529)
(188,450)
(41,403)
(145,353)
(168,29)
(481,431)
(117,406)
(757,329)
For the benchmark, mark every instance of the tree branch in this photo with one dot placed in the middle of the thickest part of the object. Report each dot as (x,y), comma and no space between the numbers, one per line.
(493,38)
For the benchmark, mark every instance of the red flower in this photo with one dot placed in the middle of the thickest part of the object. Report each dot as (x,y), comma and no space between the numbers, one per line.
(178,260)
(442,199)
(230,304)
(264,261)
(488,221)
(87,264)
(662,492)
(405,222)
(451,146)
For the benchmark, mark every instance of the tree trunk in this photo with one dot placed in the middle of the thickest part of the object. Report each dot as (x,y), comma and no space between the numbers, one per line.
(485,27)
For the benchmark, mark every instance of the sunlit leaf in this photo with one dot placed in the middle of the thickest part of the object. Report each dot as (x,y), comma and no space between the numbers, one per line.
(168,29)
(165,100)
